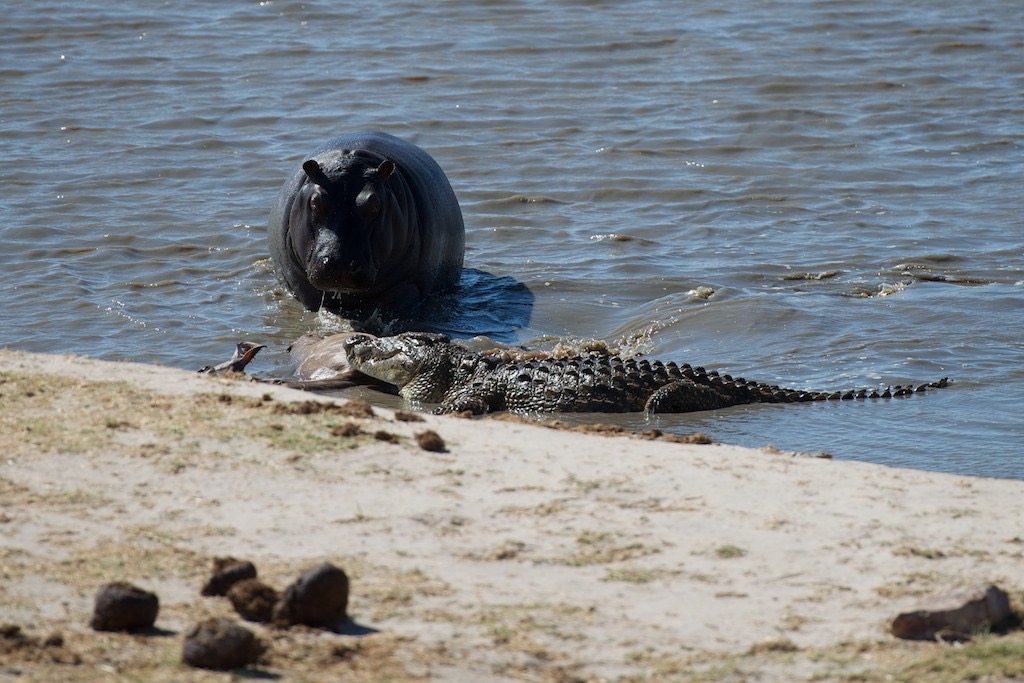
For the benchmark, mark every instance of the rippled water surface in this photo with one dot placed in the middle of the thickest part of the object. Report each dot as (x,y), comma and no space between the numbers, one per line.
(812,194)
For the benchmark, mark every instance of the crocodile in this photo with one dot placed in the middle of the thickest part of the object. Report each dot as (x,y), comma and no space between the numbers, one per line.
(429,368)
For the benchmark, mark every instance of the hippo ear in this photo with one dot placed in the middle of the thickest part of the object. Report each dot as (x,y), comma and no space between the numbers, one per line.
(386,168)
(315,173)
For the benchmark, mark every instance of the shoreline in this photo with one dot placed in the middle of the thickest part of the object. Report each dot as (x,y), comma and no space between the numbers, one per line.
(518,552)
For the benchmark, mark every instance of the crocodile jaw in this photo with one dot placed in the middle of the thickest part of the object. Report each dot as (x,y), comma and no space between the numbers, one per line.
(383,359)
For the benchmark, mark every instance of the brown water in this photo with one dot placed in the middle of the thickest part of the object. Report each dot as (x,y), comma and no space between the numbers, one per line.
(812,194)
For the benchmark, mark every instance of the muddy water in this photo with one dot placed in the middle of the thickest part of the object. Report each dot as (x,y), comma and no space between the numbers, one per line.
(819,195)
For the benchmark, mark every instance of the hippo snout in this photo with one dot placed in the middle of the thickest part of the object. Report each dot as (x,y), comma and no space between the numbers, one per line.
(330,275)
(329,269)
(357,276)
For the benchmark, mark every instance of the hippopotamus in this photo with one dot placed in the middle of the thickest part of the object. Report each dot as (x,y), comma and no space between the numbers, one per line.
(367,221)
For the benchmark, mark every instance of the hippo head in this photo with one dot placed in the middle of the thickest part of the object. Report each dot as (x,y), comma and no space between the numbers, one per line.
(335,221)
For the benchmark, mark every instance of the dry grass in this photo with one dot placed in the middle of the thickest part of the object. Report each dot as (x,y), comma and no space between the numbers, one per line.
(532,641)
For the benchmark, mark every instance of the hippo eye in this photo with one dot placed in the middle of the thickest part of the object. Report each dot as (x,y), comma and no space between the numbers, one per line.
(368,204)
(317,205)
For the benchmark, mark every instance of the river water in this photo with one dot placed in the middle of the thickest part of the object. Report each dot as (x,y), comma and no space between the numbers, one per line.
(823,195)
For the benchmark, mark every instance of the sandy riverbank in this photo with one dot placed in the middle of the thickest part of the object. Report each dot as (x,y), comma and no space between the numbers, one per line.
(520,552)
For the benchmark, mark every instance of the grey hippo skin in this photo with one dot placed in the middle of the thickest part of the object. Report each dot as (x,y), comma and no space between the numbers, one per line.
(367,221)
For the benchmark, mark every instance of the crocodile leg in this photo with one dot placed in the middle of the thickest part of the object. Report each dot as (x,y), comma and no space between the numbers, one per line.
(685,396)
(475,403)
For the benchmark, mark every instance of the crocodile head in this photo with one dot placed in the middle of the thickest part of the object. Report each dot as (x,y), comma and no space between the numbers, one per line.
(415,362)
